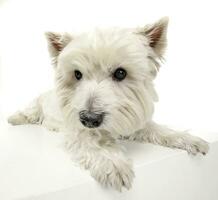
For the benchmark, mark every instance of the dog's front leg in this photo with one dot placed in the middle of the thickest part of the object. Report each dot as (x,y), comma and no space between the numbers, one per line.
(99,153)
(158,134)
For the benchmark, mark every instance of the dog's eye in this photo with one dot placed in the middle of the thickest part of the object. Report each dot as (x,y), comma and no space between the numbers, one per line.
(78,74)
(119,74)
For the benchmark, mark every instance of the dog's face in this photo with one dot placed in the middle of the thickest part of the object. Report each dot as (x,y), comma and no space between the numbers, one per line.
(104,78)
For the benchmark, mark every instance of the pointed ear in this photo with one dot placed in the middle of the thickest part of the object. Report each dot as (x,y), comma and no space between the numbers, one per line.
(157,35)
(56,43)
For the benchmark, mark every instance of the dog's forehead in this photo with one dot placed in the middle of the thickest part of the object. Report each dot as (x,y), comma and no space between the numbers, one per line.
(104,49)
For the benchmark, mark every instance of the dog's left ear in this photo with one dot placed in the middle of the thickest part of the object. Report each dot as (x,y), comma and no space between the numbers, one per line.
(56,43)
(156,35)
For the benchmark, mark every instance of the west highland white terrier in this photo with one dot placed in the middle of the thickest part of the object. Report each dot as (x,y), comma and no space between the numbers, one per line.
(103,93)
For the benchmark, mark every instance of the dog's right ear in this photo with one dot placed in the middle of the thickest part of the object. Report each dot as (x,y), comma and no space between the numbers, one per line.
(56,43)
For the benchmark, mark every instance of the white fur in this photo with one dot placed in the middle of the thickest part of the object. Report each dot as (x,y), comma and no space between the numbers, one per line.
(128,104)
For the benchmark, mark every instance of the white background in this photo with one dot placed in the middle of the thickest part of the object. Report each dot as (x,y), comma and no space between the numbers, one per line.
(188,80)
(30,160)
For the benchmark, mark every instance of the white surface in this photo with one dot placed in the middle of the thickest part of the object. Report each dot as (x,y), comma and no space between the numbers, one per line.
(33,165)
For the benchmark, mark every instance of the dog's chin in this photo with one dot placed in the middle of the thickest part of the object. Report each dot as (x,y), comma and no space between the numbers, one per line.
(81,127)
(102,130)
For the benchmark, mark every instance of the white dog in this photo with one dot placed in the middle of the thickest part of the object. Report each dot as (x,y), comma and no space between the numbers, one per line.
(104,92)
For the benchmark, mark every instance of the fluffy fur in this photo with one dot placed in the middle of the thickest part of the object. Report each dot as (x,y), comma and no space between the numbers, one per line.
(128,105)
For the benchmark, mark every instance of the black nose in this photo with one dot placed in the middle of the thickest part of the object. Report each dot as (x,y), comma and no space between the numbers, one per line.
(91,119)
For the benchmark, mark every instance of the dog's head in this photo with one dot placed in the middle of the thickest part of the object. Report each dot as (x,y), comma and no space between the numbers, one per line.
(104,78)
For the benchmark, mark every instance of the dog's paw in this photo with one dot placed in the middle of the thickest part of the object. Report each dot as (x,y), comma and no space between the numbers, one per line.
(17,119)
(117,175)
(197,145)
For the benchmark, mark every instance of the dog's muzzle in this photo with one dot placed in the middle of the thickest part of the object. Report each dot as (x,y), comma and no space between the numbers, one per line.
(90,119)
